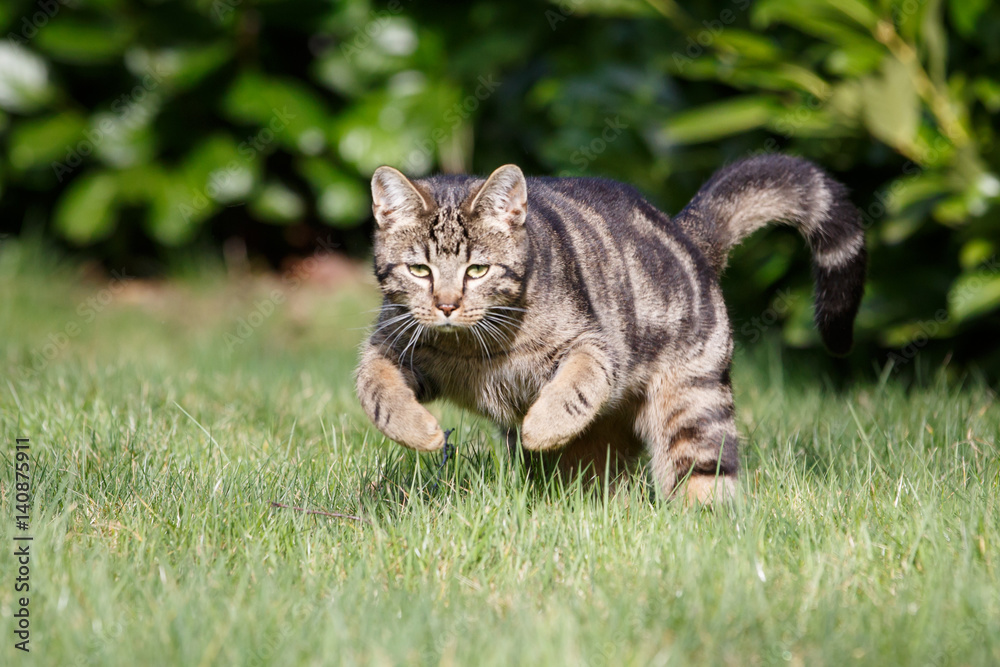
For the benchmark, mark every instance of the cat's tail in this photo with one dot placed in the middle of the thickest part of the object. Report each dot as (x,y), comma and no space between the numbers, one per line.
(750,194)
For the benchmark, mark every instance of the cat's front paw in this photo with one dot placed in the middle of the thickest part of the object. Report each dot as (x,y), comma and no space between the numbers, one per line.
(540,431)
(423,433)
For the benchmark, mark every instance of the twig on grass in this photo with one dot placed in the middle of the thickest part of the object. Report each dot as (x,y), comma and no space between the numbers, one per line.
(335,515)
(449,449)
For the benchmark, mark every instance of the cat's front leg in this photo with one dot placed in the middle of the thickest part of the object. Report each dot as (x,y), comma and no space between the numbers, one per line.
(570,400)
(388,396)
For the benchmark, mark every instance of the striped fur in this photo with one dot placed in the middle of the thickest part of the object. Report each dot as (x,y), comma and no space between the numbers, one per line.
(599,328)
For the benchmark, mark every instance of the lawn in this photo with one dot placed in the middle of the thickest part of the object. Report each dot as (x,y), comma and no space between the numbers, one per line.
(164,419)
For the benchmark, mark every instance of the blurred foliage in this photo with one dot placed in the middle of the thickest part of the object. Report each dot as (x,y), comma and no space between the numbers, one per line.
(139,130)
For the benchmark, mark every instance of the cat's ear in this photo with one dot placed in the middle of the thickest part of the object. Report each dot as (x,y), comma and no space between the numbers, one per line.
(395,198)
(503,198)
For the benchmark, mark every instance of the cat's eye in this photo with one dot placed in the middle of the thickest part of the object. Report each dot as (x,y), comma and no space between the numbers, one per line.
(420,270)
(477,270)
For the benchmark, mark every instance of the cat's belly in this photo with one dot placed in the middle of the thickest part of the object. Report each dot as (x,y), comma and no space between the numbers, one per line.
(501,390)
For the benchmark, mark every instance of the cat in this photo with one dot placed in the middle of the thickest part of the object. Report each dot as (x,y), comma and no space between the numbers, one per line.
(575,311)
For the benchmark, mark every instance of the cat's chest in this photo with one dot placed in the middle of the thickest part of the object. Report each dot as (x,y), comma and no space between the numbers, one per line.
(502,387)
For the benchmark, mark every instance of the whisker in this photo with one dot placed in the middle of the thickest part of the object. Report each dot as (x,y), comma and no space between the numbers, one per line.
(413,339)
(495,332)
(384,306)
(501,318)
(505,324)
(482,342)
(392,320)
(486,330)
(390,323)
(400,331)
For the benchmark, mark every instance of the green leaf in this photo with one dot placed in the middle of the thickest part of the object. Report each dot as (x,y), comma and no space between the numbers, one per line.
(922,188)
(858,11)
(976,251)
(749,45)
(194,64)
(86,212)
(839,23)
(975,293)
(935,40)
(222,170)
(856,58)
(892,105)
(846,102)
(953,211)
(180,68)
(903,334)
(407,126)
(24,79)
(965,15)
(53,139)
(988,92)
(277,203)
(285,111)
(174,215)
(123,141)
(781,77)
(615,8)
(342,200)
(720,119)
(137,185)
(72,39)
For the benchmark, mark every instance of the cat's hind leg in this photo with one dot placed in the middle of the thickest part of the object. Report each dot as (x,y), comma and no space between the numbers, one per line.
(687,422)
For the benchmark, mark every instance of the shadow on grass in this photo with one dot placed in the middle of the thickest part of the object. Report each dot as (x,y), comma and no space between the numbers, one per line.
(482,468)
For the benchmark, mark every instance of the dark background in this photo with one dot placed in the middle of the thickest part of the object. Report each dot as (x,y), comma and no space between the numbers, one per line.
(150,135)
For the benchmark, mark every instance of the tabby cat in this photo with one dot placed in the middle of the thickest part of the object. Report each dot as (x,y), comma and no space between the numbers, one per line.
(574,310)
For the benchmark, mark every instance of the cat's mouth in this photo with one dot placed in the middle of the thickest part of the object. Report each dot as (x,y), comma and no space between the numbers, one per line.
(454,320)
(450,324)
(498,320)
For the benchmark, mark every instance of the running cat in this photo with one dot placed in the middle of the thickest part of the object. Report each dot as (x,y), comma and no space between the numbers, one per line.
(574,310)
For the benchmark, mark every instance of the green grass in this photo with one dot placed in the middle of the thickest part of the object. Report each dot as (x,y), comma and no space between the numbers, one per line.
(868,534)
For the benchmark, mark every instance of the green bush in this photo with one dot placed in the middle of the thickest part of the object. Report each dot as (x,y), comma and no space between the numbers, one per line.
(147,129)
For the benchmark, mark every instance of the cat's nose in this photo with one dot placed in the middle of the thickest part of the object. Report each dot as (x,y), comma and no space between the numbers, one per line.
(447,308)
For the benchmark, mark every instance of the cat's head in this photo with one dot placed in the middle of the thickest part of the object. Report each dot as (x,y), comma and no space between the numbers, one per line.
(450,249)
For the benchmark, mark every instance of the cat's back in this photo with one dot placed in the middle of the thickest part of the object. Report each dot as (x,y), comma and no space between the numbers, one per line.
(614,216)
(628,262)
(614,201)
